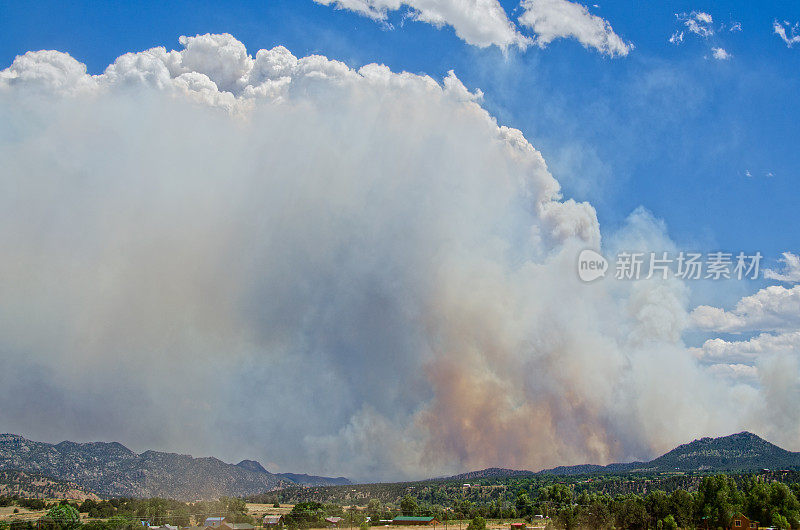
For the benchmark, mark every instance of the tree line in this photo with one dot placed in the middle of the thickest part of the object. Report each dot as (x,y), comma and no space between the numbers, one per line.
(711,502)
(123,513)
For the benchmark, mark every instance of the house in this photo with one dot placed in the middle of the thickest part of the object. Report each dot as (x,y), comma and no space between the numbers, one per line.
(215,521)
(740,522)
(333,521)
(409,521)
(518,526)
(273,520)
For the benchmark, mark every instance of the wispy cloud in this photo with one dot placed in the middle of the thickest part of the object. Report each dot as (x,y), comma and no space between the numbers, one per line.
(485,23)
(558,19)
(720,54)
(697,22)
(790,272)
(480,23)
(677,37)
(787,32)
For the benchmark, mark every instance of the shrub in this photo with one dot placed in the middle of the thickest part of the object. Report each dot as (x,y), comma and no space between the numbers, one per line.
(478,523)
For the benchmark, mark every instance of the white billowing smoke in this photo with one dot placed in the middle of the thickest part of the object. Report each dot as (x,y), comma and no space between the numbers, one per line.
(331,270)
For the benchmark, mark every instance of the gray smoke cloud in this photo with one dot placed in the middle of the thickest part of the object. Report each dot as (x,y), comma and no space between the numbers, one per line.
(331,270)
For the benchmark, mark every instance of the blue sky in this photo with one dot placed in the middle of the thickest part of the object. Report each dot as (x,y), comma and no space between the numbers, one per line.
(666,127)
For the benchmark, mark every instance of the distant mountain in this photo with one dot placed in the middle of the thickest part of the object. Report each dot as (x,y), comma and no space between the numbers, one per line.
(36,486)
(312,480)
(491,472)
(738,452)
(300,479)
(252,465)
(113,470)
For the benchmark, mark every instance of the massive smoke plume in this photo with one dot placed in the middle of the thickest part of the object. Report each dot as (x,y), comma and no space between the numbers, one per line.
(331,270)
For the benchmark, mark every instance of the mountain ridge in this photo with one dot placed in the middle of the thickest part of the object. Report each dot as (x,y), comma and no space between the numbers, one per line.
(110,469)
(14,483)
(743,451)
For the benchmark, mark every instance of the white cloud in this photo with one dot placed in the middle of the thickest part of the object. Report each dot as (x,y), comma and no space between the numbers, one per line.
(748,351)
(735,372)
(773,308)
(701,17)
(484,22)
(720,54)
(481,23)
(701,24)
(791,269)
(787,32)
(676,38)
(697,22)
(557,19)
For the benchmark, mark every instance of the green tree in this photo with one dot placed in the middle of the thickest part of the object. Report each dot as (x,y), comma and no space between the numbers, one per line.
(779,521)
(681,506)
(630,513)
(87,505)
(668,523)
(374,509)
(477,523)
(657,505)
(119,522)
(305,514)
(718,500)
(523,504)
(61,517)
(596,514)
(567,518)
(409,505)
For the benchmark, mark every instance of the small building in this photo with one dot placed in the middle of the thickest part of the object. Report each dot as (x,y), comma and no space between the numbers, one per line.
(414,521)
(518,526)
(273,520)
(214,522)
(740,522)
(333,521)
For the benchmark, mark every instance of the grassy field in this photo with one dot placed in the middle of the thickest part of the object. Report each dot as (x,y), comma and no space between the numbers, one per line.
(7,513)
(260,510)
